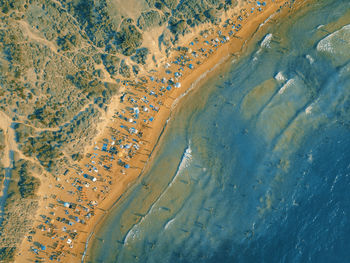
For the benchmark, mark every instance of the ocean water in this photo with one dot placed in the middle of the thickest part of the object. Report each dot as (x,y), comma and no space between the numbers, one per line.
(255,165)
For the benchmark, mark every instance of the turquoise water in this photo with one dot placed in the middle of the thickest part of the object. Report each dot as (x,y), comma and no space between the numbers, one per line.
(254,166)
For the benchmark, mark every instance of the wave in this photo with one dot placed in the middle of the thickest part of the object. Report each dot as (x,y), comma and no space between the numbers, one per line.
(329,43)
(289,83)
(169,223)
(133,234)
(267,20)
(195,83)
(185,161)
(308,110)
(265,43)
(280,77)
(310,59)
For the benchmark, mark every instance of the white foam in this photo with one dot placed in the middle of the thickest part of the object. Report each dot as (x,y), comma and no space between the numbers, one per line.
(132,234)
(287,85)
(169,223)
(267,20)
(329,43)
(266,41)
(310,157)
(325,45)
(185,161)
(195,83)
(308,110)
(280,77)
(311,59)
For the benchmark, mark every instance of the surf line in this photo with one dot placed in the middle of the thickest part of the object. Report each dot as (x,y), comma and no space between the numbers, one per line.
(187,149)
(96,224)
(122,195)
(195,83)
(185,158)
(174,104)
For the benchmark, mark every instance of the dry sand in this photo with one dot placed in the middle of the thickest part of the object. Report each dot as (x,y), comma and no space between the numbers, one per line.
(114,183)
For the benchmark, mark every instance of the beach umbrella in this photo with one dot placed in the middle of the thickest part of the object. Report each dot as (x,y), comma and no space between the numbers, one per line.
(178,85)
(127,166)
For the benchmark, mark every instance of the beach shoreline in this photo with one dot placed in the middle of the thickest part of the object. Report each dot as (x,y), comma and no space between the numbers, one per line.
(142,231)
(153,130)
(196,82)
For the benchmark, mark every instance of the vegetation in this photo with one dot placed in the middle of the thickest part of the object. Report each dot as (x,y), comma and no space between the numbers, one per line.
(128,39)
(124,69)
(7,254)
(68,41)
(20,207)
(111,63)
(150,19)
(28,185)
(55,59)
(141,56)
(22,184)
(2,142)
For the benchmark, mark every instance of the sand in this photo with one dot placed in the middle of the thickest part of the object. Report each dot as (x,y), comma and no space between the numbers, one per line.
(113,184)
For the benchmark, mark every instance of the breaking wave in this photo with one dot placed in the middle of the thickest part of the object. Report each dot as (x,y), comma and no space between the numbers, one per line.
(266,41)
(332,41)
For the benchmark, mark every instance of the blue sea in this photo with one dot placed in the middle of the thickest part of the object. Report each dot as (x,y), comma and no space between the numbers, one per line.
(254,166)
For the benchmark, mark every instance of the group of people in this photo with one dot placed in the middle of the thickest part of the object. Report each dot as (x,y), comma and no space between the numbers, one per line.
(89,182)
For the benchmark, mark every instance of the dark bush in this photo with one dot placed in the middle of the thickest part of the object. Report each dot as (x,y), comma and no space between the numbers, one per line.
(7,254)
(150,19)
(28,185)
(128,39)
(124,69)
(141,56)
(111,63)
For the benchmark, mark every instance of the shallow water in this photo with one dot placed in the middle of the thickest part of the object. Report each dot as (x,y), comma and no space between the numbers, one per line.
(254,167)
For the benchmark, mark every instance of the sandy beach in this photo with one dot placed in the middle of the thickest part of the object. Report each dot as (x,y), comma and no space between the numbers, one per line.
(74,205)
